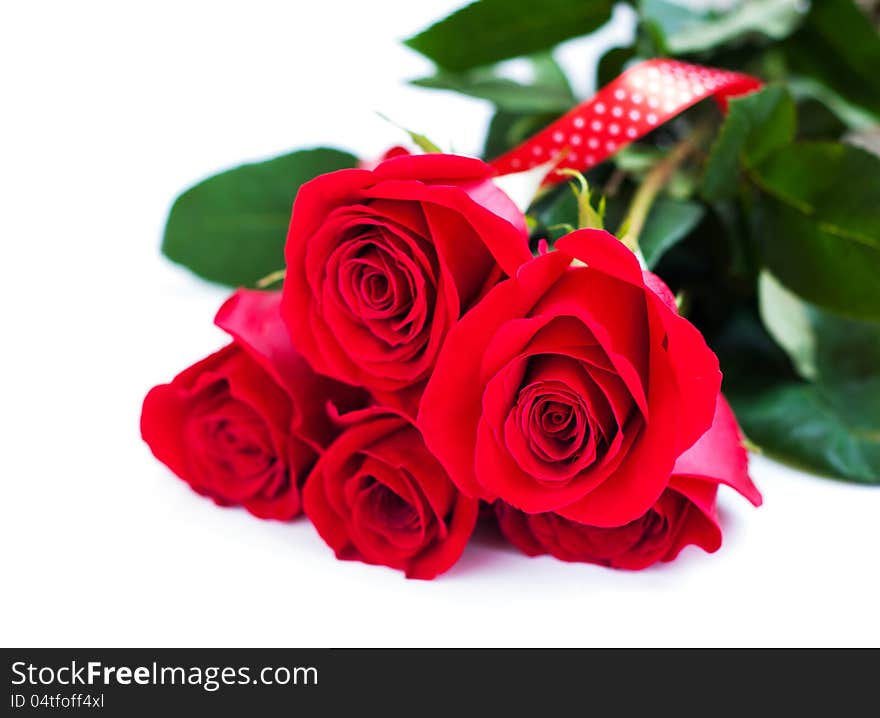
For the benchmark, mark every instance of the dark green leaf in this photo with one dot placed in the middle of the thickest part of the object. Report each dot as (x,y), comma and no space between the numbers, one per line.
(549,73)
(825,347)
(497,135)
(558,209)
(818,221)
(669,221)
(231,227)
(687,31)
(612,64)
(831,425)
(756,124)
(839,47)
(812,427)
(491,30)
(817,122)
(853,116)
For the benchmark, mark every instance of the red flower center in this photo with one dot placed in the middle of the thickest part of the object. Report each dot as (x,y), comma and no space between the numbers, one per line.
(230,448)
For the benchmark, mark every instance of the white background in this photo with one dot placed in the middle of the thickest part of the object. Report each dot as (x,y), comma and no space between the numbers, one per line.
(110,109)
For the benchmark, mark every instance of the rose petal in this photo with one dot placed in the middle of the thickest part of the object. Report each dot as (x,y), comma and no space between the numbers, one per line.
(719,456)
(451,405)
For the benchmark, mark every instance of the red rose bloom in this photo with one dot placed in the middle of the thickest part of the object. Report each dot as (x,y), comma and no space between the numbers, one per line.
(684,514)
(382,262)
(571,388)
(377,495)
(245,425)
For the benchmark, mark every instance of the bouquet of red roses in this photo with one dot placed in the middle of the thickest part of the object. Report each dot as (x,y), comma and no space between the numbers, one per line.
(457,340)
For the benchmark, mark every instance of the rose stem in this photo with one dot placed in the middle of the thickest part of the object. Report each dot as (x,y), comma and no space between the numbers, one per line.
(654,181)
(270,279)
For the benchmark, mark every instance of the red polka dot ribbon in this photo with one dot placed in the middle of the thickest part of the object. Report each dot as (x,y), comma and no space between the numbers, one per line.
(630,106)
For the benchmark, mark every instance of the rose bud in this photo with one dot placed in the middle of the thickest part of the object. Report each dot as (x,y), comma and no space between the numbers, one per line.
(382,262)
(684,514)
(571,387)
(377,495)
(246,424)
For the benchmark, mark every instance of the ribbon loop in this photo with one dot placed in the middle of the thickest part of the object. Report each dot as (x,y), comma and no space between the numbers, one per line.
(638,101)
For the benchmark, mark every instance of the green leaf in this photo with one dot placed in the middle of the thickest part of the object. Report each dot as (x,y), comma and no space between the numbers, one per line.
(549,92)
(670,17)
(806,425)
(549,73)
(497,140)
(487,31)
(850,114)
(230,228)
(669,221)
(839,47)
(818,223)
(612,64)
(824,347)
(868,139)
(688,31)
(831,425)
(756,124)
(788,320)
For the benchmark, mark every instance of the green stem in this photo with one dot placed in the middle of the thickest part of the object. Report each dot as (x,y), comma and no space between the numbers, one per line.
(270,279)
(654,182)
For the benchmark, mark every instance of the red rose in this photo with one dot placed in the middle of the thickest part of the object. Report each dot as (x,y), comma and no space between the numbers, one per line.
(684,514)
(377,495)
(382,262)
(245,425)
(571,388)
